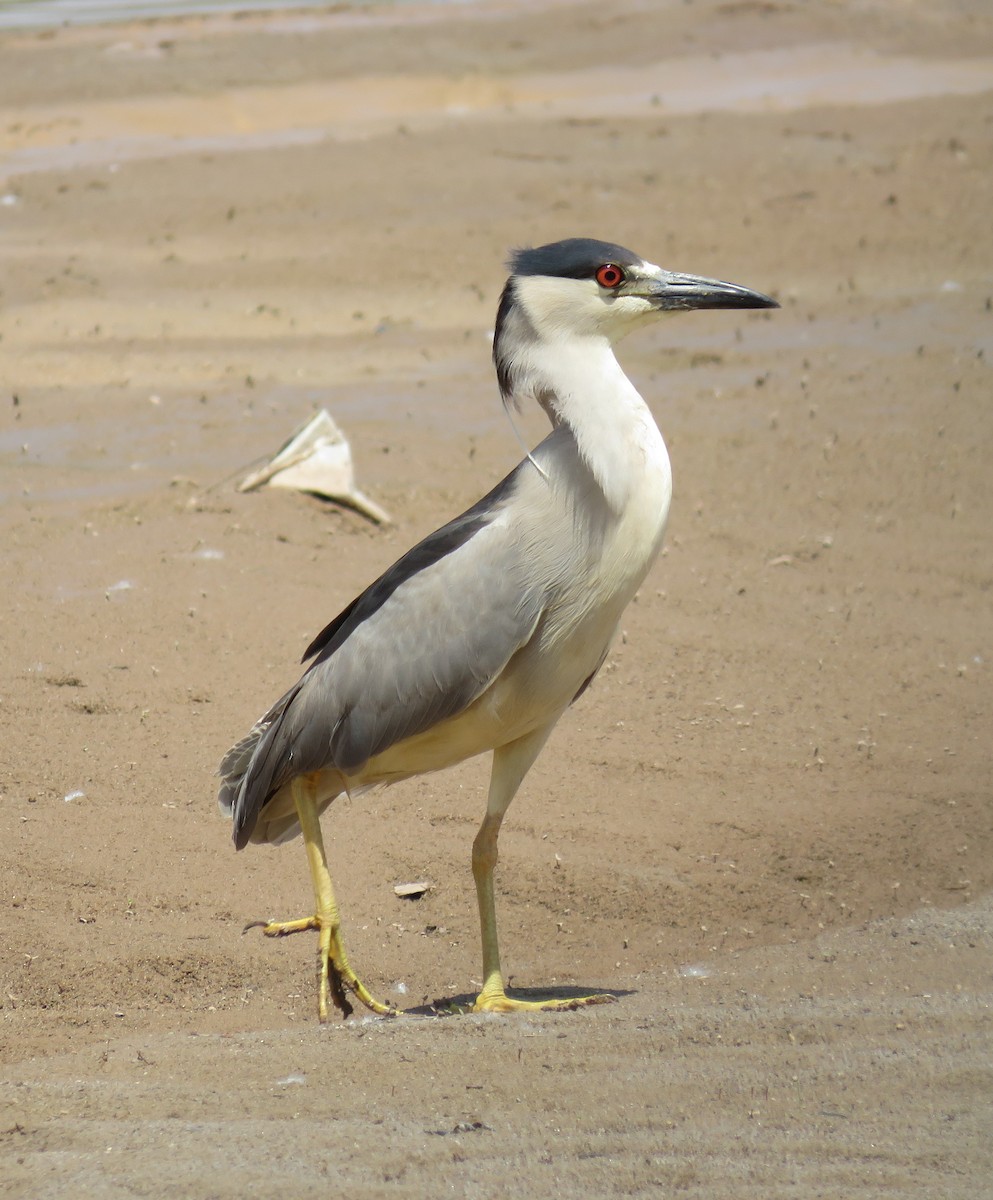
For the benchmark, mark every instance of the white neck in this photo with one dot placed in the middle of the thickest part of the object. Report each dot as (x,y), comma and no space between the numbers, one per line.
(579,383)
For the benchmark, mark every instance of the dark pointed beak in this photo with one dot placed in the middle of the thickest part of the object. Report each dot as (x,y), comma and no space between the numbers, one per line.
(678,292)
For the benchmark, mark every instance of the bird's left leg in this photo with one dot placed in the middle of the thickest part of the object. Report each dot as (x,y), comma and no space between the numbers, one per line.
(510,764)
(334,973)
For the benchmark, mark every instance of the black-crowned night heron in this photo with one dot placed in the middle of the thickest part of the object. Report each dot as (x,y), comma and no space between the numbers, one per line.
(483,634)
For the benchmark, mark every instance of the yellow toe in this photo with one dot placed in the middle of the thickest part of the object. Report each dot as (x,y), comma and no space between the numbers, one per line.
(498,1001)
(285,928)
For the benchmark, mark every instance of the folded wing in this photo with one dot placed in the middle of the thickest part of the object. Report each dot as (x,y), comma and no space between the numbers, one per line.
(415,648)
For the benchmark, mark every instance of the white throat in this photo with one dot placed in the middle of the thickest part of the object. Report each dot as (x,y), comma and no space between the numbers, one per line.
(552,346)
(579,383)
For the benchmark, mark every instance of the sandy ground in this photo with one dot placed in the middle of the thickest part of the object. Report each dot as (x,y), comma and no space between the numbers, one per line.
(767,827)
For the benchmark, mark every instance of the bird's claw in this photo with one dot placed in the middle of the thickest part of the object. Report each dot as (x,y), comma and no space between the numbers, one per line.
(336,986)
(500,1002)
(283,928)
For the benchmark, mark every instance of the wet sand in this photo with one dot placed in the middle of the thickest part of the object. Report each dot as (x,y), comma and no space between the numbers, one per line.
(767,827)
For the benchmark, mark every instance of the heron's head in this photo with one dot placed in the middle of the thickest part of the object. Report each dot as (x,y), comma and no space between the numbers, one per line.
(588,288)
(583,288)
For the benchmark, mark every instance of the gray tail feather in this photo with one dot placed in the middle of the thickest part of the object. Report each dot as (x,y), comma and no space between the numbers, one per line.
(246,784)
(232,770)
(249,772)
(234,765)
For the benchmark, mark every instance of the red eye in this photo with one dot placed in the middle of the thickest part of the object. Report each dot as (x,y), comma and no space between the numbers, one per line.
(609,275)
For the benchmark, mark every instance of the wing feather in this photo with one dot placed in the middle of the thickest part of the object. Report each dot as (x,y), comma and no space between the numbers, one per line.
(416,647)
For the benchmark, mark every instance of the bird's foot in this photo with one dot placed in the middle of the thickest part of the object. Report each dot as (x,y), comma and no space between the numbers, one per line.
(284,928)
(496,1000)
(336,979)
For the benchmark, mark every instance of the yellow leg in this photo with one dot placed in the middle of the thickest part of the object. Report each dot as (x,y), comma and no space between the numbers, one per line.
(510,764)
(334,973)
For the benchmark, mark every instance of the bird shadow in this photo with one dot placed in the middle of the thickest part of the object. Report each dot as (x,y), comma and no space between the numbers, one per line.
(572,999)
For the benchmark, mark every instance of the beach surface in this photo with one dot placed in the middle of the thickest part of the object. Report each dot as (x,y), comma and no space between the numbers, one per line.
(767,827)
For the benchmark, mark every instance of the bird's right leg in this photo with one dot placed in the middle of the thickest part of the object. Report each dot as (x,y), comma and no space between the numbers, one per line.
(510,765)
(334,973)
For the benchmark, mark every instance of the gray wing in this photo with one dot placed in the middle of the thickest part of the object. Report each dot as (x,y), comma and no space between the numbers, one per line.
(418,646)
